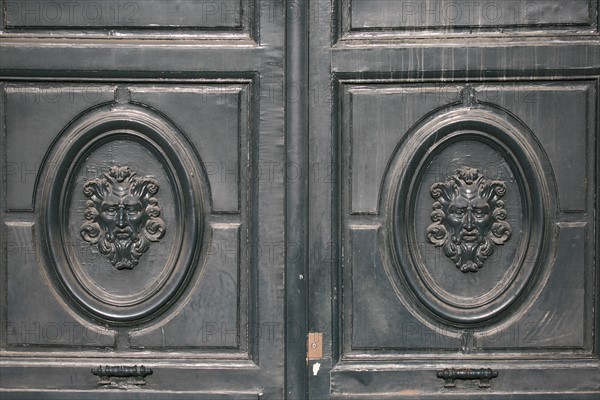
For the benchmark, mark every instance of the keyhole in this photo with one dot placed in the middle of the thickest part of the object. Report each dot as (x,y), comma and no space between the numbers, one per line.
(314,345)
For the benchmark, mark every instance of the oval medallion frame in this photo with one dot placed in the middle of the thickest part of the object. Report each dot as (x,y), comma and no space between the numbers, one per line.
(517,145)
(169,146)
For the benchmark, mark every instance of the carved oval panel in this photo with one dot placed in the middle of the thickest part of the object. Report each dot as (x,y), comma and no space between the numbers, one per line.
(469,209)
(122,213)
(471,213)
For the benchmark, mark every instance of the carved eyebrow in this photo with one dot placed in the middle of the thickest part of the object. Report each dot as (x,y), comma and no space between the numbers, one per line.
(133,207)
(131,202)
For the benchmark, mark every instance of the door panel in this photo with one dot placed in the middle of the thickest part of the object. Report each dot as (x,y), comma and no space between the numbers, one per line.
(131,18)
(429,297)
(464,296)
(421,15)
(136,212)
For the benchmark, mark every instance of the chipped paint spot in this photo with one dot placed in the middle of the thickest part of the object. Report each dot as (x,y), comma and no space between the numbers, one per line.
(316,368)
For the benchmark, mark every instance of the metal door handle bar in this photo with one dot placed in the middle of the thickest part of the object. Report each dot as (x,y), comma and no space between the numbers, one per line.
(138,373)
(483,374)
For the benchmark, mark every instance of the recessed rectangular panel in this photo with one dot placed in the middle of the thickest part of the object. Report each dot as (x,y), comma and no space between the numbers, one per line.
(380,116)
(36,314)
(213,122)
(557,318)
(380,319)
(146,14)
(445,14)
(413,381)
(210,316)
(37,113)
(562,116)
(215,119)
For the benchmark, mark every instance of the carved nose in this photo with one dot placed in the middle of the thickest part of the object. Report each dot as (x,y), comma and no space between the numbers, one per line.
(121,218)
(469,226)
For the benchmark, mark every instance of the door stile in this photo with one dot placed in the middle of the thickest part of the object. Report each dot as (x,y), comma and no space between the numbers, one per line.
(296,203)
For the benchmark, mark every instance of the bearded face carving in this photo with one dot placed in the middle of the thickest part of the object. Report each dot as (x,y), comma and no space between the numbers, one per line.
(469,218)
(122,215)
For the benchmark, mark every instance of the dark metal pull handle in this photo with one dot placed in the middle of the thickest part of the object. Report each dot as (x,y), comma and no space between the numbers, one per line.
(483,374)
(106,372)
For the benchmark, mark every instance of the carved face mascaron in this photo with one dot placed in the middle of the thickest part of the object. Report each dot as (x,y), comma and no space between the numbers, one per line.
(122,216)
(468,218)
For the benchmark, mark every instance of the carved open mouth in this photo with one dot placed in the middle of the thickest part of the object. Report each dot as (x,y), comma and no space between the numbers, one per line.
(124,233)
(469,236)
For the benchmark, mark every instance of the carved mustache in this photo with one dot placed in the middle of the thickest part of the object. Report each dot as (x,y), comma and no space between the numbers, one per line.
(469,236)
(122,233)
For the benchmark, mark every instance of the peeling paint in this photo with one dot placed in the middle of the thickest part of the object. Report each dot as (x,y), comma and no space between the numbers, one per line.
(316,368)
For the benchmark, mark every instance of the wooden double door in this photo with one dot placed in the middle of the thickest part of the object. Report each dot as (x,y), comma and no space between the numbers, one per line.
(291,199)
